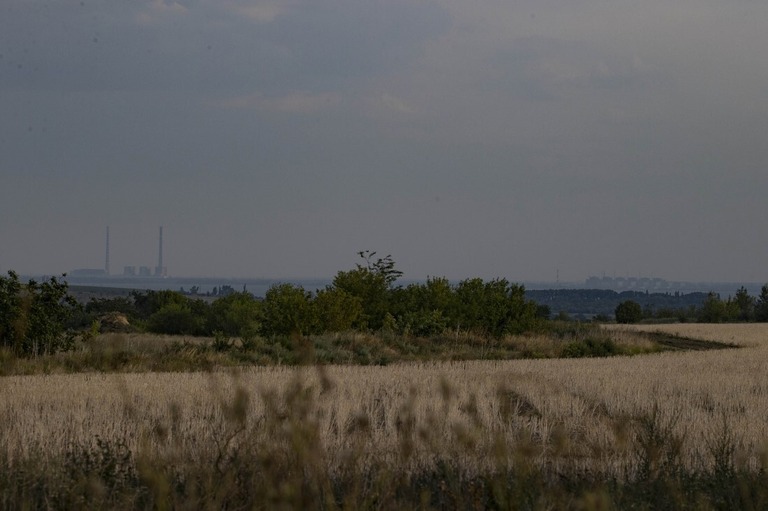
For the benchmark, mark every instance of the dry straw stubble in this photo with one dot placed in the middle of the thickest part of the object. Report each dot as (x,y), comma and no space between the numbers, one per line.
(605,417)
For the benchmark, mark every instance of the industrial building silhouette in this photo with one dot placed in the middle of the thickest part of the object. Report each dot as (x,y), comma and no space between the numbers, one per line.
(159,271)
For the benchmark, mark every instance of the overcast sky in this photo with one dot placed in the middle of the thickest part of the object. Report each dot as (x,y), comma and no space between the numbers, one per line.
(491,138)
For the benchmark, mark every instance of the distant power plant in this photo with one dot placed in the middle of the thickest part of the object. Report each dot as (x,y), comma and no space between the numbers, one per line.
(145,271)
(106,263)
(160,269)
(128,271)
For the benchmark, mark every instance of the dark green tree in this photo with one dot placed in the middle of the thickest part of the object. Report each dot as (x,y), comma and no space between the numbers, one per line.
(628,311)
(287,310)
(34,316)
(336,310)
(10,309)
(761,305)
(371,284)
(742,306)
(713,310)
(495,308)
(237,314)
(148,302)
(422,309)
(170,312)
(177,319)
(384,266)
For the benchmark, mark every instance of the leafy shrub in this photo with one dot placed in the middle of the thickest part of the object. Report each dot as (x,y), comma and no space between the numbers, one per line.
(590,347)
(496,307)
(221,342)
(424,323)
(236,314)
(713,310)
(149,302)
(629,312)
(34,316)
(176,319)
(336,310)
(371,288)
(287,310)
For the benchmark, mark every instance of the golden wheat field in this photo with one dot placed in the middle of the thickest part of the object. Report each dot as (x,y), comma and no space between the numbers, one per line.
(569,414)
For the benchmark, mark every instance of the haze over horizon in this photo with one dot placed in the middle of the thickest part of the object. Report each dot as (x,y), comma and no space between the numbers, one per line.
(277,138)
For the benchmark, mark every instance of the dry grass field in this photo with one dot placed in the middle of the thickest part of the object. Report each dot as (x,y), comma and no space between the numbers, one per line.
(601,417)
(742,334)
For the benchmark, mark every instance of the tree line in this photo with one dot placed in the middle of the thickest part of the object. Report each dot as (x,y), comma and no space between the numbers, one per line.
(41,318)
(583,304)
(741,307)
(365,298)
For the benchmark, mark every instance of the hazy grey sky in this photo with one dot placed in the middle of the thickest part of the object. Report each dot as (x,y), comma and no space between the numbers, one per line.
(508,138)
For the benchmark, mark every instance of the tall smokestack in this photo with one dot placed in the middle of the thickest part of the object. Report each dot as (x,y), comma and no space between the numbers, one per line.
(106,262)
(159,270)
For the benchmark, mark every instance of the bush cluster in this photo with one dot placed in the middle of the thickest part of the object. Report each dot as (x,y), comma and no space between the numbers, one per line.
(362,299)
(34,316)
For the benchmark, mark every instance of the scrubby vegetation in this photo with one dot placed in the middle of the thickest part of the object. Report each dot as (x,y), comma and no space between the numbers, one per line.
(363,317)
(469,319)
(364,299)
(34,316)
(137,352)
